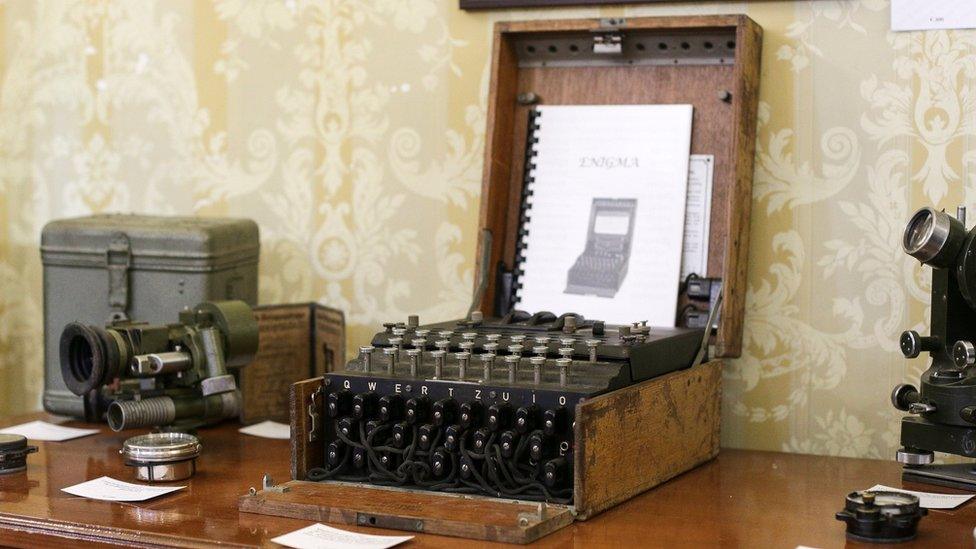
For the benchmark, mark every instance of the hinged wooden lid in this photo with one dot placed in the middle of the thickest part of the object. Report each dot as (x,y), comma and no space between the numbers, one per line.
(710,62)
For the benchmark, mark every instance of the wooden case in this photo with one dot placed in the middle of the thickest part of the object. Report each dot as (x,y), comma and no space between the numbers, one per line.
(626,442)
(632,439)
(296,341)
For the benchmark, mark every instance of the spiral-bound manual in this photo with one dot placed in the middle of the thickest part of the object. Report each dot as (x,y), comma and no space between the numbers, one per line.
(603,204)
(528,181)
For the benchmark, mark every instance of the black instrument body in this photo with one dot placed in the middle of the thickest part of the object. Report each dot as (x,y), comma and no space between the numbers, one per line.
(943,407)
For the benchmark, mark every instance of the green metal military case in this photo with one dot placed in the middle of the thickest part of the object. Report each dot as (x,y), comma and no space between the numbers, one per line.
(110,267)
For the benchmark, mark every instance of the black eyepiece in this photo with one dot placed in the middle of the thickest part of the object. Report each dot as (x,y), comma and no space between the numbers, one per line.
(84,357)
(933,237)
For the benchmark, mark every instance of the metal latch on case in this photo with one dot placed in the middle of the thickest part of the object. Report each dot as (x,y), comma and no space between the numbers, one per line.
(268,485)
(314,416)
(118,261)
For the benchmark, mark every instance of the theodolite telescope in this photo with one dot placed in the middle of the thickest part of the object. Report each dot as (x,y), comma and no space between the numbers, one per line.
(178,376)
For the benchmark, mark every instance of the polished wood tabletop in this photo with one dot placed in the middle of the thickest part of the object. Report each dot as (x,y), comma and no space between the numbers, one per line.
(741,499)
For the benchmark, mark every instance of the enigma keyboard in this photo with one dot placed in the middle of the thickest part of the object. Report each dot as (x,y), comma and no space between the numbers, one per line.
(483,406)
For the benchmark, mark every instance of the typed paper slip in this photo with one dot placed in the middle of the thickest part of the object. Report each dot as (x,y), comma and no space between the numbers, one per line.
(268,429)
(928,499)
(109,489)
(320,536)
(47,432)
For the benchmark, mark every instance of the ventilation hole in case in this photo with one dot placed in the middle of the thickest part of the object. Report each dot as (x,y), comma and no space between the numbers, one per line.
(573,48)
(730,44)
(530,49)
(553,49)
(640,46)
(708,45)
(685,45)
(662,46)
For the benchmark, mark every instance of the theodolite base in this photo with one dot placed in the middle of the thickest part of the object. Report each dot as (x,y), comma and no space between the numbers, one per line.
(954,475)
(920,434)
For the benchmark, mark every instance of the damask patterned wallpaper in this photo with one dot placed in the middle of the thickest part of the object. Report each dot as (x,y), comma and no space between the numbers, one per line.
(353,133)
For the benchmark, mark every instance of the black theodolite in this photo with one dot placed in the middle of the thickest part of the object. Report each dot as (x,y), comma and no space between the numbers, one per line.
(943,407)
(174,376)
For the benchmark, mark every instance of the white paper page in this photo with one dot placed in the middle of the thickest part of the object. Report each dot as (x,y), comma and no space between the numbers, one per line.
(698,215)
(928,500)
(109,489)
(320,536)
(49,432)
(268,429)
(907,15)
(632,152)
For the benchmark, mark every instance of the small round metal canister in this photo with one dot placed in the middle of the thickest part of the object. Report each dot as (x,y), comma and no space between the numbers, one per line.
(13,453)
(162,457)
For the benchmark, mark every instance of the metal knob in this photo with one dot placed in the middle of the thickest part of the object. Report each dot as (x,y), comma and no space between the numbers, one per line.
(537,363)
(490,348)
(566,352)
(540,350)
(419,342)
(442,344)
(563,365)
(366,357)
(515,349)
(542,340)
(963,354)
(469,336)
(592,344)
(414,358)
(422,333)
(913,344)
(903,396)
(438,356)
(569,324)
(463,359)
(392,358)
(511,362)
(488,361)
(516,339)
(445,334)
(413,321)
(493,338)
(397,342)
(466,346)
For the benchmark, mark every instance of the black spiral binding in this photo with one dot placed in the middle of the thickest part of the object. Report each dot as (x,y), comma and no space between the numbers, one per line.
(528,179)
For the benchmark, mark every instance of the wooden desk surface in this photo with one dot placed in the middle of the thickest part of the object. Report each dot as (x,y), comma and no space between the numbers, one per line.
(741,499)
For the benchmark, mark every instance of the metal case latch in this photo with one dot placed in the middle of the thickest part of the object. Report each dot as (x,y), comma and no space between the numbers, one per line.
(118,261)
(314,417)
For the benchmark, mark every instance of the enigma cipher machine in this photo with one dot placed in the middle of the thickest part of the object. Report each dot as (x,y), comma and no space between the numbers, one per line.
(601,268)
(483,406)
(943,407)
